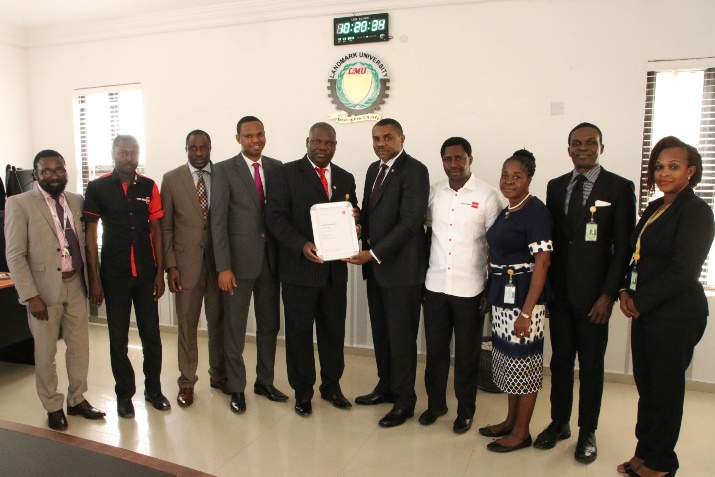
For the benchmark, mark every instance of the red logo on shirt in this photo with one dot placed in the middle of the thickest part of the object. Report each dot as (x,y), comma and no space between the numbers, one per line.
(475,205)
(148,200)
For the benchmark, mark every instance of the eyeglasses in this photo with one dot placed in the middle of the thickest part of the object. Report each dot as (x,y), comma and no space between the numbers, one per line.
(60,171)
(125,154)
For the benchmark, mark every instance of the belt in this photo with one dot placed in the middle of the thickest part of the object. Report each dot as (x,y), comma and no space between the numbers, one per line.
(68,275)
(519,268)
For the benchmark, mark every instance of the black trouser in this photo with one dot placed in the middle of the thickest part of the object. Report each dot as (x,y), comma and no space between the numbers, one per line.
(444,315)
(326,306)
(572,333)
(395,320)
(662,348)
(119,294)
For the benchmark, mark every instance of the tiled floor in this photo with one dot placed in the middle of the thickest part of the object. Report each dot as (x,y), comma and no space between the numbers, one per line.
(271,440)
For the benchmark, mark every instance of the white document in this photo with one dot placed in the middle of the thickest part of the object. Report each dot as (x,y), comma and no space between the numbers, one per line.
(334,230)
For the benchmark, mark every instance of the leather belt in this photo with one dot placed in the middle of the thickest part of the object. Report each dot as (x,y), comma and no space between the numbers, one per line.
(68,275)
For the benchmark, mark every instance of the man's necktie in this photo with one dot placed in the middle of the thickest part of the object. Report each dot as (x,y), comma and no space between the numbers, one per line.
(576,201)
(323,180)
(259,184)
(70,236)
(378,184)
(201,190)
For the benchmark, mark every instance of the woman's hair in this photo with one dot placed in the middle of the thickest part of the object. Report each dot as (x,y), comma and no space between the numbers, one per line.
(669,142)
(526,159)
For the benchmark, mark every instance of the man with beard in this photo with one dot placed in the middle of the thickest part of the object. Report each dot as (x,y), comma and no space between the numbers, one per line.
(45,254)
(314,291)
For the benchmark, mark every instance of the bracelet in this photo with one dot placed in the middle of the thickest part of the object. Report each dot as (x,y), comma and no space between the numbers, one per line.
(528,317)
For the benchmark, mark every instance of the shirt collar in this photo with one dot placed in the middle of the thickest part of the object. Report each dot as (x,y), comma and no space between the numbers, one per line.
(471,183)
(205,169)
(47,195)
(327,168)
(250,163)
(391,162)
(115,176)
(591,175)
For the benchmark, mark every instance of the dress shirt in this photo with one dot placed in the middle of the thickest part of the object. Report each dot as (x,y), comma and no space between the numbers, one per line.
(591,176)
(250,163)
(207,179)
(328,176)
(66,261)
(459,254)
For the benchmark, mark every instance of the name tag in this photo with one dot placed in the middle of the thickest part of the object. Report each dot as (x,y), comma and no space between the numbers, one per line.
(634,280)
(509,294)
(591,232)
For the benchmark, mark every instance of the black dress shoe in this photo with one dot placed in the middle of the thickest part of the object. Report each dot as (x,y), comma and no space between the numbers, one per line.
(429,417)
(85,410)
(303,407)
(337,399)
(270,391)
(462,424)
(554,432)
(158,401)
(396,417)
(238,402)
(125,408)
(586,451)
(57,420)
(373,398)
(494,446)
(488,431)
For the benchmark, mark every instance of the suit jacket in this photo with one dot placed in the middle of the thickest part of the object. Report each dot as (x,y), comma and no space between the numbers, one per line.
(673,250)
(33,249)
(297,189)
(237,220)
(187,238)
(587,270)
(395,223)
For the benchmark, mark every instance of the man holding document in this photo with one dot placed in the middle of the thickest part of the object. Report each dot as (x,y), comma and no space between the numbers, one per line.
(313,290)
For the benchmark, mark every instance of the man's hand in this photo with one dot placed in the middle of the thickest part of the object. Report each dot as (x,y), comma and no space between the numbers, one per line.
(96,293)
(627,306)
(359,259)
(356,214)
(601,310)
(309,252)
(226,281)
(174,279)
(37,308)
(159,286)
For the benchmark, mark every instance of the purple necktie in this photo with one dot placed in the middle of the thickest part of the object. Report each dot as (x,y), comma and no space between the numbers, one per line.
(70,236)
(259,184)
(378,184)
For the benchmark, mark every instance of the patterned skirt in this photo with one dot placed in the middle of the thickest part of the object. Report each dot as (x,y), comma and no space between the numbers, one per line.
(517,363)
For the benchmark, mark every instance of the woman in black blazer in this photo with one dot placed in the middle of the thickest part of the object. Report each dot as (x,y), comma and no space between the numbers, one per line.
(663,295)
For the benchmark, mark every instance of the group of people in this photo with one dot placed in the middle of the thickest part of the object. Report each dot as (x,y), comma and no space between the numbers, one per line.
(240,229)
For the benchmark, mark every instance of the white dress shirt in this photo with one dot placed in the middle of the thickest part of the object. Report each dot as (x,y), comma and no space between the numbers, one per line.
(459,254)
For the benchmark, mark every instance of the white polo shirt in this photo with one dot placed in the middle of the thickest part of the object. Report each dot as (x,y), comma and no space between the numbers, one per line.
(460,219)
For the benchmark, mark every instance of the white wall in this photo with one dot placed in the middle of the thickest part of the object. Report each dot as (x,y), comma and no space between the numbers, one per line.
(14,108)
(487,71)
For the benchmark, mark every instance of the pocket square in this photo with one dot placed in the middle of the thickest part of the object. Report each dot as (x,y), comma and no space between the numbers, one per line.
(602,203)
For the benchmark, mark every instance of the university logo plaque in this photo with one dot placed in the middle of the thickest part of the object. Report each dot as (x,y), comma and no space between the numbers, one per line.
(358,85)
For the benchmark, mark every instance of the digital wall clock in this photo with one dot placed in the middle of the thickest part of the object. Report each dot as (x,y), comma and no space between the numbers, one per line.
(361,29)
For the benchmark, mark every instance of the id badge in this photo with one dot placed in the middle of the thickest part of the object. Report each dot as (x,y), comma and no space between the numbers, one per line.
(66,251)
(591,232)
(509,294)
(634,281)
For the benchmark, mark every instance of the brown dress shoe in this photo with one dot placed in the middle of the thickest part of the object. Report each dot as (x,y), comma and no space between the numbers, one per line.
(185,397)
(223,386)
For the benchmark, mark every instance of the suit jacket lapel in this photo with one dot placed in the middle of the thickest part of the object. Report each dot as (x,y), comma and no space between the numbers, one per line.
(247,177)
(389,174)
(41,204)
(311,175)
(187,181)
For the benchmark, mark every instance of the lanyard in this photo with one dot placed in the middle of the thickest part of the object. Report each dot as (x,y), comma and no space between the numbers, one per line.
(658,213)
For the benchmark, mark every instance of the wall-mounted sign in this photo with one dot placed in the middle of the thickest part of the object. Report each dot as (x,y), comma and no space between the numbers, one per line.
(358,85)
(361,29)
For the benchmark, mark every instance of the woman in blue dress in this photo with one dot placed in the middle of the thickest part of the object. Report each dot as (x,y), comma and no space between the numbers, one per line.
(519,247)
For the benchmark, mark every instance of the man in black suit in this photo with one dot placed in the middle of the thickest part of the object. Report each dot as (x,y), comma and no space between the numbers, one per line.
(594,214)
(394,259)
(313,290)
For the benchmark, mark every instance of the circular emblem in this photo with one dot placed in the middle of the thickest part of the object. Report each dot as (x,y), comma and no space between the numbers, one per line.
(358,86)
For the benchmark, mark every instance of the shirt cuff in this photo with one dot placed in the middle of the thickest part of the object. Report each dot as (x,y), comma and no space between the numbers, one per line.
(375,257)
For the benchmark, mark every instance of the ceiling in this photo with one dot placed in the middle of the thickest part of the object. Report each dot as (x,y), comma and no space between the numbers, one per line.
(30,14)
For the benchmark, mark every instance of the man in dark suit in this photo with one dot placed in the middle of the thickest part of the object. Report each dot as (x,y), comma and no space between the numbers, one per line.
(314,291)
(246,260)
(394,259)
(190,265)
(45,252)
(594,213)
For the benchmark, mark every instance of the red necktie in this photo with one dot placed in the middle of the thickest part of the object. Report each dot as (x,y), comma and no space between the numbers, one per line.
(259,184)
(323,180)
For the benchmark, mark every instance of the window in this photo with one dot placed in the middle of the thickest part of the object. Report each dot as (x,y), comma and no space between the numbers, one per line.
(682,103)
(100,114)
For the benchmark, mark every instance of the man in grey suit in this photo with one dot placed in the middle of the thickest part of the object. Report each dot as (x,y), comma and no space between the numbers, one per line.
(246,260)
(45,254)
(190,265)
